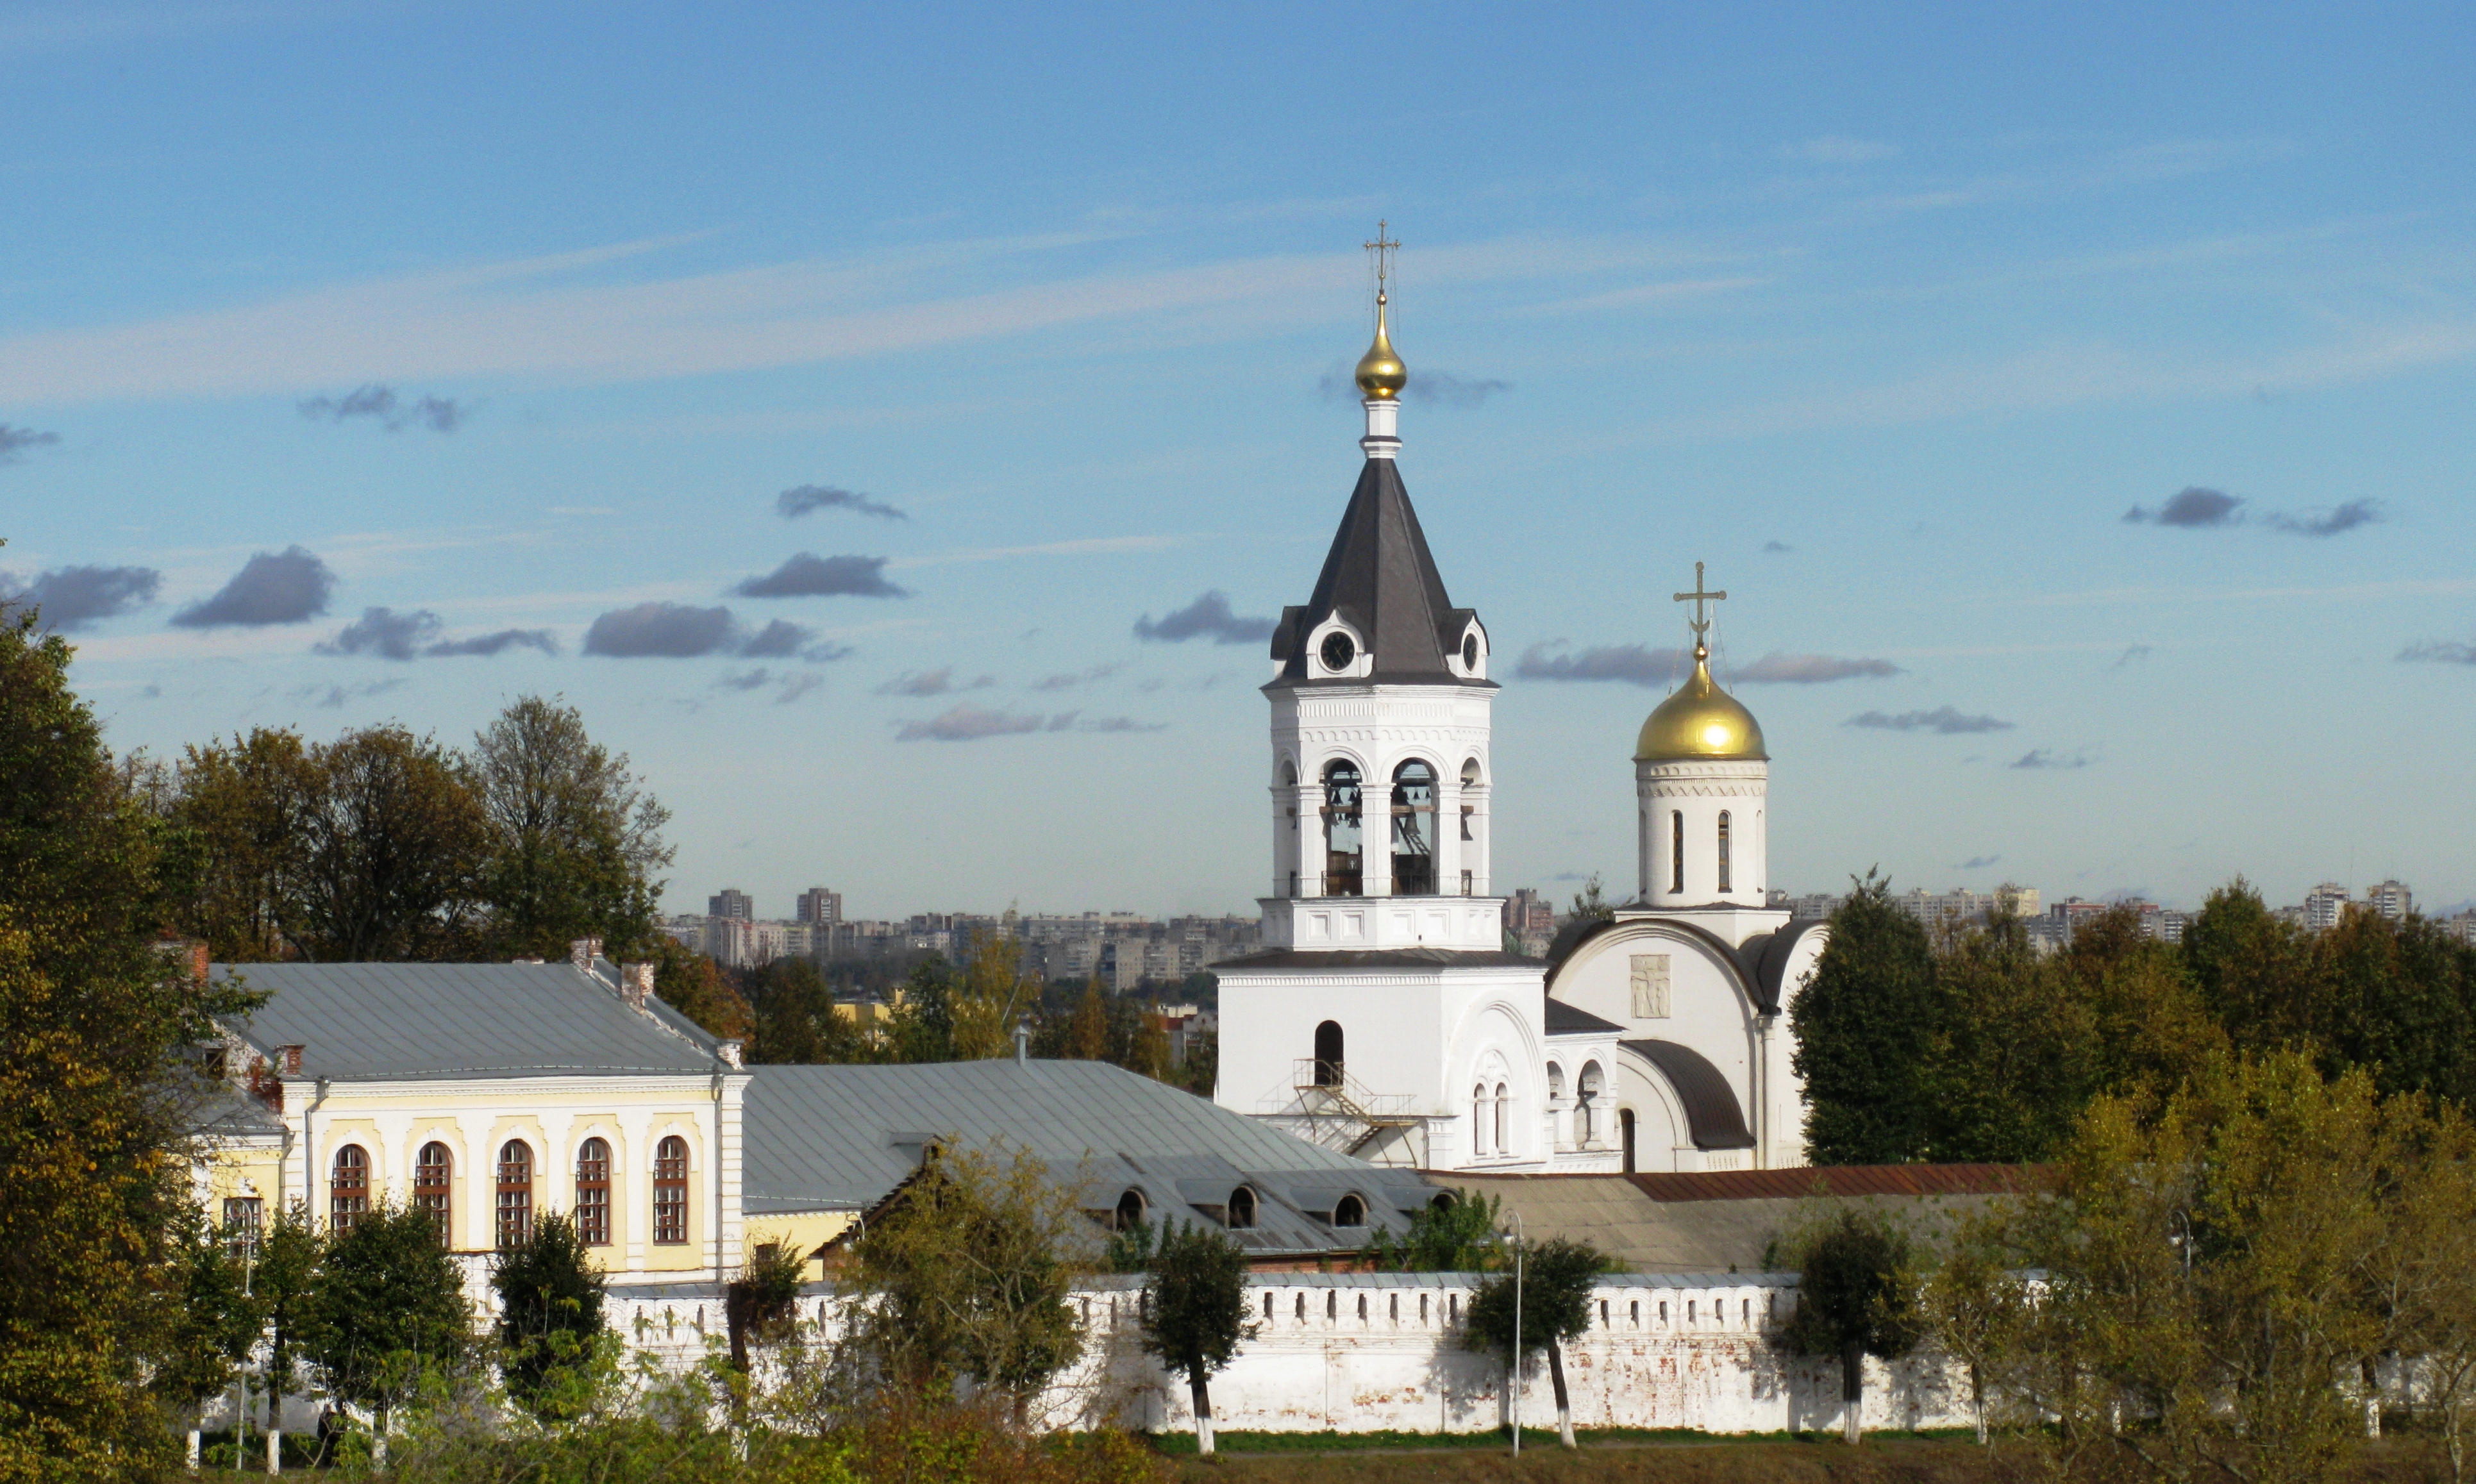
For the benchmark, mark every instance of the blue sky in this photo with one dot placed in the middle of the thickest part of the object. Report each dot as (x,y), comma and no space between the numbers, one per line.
(512,317)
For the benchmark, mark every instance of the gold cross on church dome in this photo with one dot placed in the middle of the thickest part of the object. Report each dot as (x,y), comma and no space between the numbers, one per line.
(1700,622)
(1383,247)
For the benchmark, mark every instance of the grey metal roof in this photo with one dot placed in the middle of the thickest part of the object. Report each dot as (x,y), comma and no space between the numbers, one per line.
(1380,578)
(843,1138)
(384,1022)
(1567,1019)
(1712,1116)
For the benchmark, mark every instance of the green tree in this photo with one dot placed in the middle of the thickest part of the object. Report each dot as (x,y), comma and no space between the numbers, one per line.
(1196,1315)
(1450,1234)
(967,1275)
(216,1324)
(395,840)
(291,1257)
(390,1316)
(1591,907)
(95,1027)
(550,1314)
(694,986)
(1857,1295)
(991,993)
(2401,993)
(573,839)
(1867,1027)
(924,1020)
(2012,1061)
(2254,974)
(1546,1305)
(1087,1029)
(246,803)
(794,1019)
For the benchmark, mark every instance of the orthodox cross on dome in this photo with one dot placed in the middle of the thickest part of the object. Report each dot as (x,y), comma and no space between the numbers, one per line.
(1383,247)
(1700,622)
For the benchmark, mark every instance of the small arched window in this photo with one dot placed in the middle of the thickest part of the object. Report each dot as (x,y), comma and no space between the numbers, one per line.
(515,1194)
(670,1192)
(1289,773)
(1242,1209)
(1503,1118)
(1555,1083)
(1350,1211)
(1723,851)
(1478,1118)
(1327,1054)
(1625,1130)
(1585,1106)
(1677,849)
(1130,1210)
(593,1192)
(1344,868)
(348,1194)
(1470,780)
(433,1172)
(1414,830)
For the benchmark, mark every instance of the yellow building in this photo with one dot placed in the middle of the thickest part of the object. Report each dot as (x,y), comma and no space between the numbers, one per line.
(488,1094)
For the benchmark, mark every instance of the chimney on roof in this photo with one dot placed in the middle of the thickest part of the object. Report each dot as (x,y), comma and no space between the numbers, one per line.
(637,983)
(728,1050)
(289,1059)
(1023,1043)
(583,952)
(190,954)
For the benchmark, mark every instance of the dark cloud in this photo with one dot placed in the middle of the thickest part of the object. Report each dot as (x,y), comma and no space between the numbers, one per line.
(1207,616)
(290,587)
(795,502)
(2047,758)
(1080,677)
(2192,508)
(798,683)
(776,640)
(1977,862)
(1947,720)
(386,634)
(752,680)
(14,441)
(497,642)
(2124,660)
(805,576)
(334,697)
(2441,652)
(1777,669)
(968,723)
(392,635)
(1632,663)
(73,597)
(1118,724)
(380,404)
(664,630)
(1428,388)
(931,683)
(2329,523)
(1778,547)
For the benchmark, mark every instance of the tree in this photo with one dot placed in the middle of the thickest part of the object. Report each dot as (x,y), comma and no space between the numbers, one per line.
(1549,1305)
(1197,1315)
(2010,1060)
(1087,1029)
(1857,1295)
(572,840)
(216,1325)
(1973,1304)
(395,840)
(795,1020)
(967,1275)
(389,1311)
(1867,1029)
(693,984)
(924,1019)
(2400,997)
(2254,973)
(992,994)
(246,803)
(550,1313)
(96,1028)
(291,1257)
(1454,1233)
(1590,908)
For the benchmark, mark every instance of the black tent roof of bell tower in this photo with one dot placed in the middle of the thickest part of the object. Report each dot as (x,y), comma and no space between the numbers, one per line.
(1381,580)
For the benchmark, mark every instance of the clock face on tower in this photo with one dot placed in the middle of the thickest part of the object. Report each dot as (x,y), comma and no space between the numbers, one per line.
(1338,650)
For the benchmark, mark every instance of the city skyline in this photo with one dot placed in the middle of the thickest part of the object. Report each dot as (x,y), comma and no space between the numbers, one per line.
(900,444)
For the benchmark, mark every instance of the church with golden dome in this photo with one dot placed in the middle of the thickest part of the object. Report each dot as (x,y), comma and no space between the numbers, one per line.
(1386,1014)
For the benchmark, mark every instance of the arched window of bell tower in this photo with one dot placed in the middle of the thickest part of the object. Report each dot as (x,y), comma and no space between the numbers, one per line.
(1327,1054)
(1414,830)
(1724,851)
(1345,869)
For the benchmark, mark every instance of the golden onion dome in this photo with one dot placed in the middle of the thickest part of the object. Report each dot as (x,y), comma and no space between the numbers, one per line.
(1381,373)
(1700,721)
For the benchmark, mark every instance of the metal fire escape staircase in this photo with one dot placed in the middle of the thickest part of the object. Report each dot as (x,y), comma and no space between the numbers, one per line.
(1337,1111)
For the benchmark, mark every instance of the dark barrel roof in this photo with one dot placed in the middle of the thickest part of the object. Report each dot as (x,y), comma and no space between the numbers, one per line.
(1380,578)
(1712,1117)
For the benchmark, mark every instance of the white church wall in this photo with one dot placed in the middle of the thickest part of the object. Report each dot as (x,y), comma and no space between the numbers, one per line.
(1403,1031)
(1707,1009)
